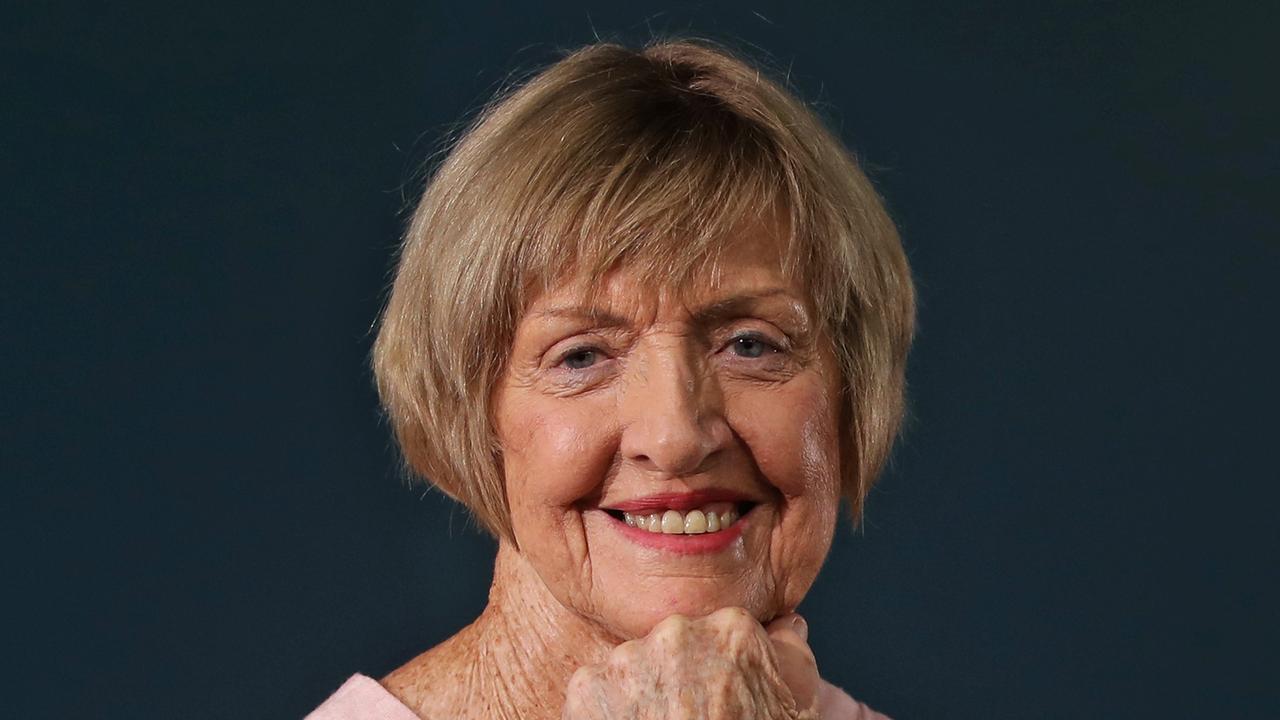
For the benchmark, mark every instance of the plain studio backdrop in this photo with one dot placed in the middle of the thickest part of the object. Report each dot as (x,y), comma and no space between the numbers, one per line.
(204,516)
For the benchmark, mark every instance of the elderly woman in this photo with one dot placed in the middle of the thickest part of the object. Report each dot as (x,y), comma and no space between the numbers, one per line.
(649,325)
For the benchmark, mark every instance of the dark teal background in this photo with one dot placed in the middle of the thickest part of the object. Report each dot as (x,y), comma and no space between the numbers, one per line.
(200,206)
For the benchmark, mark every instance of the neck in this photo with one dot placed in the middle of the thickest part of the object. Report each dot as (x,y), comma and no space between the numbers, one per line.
(513,662)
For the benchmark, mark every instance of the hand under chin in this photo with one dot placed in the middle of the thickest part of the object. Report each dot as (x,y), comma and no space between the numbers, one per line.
(724,665)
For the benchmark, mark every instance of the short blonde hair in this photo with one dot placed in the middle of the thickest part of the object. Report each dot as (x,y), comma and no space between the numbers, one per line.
(650,157)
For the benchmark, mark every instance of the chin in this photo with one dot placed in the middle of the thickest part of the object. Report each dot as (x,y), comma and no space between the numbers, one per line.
(689,597)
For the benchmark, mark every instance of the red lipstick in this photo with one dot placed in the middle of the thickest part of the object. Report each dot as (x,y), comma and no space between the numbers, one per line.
(682,501)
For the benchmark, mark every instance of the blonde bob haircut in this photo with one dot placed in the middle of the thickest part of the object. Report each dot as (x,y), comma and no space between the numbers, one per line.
(648,158)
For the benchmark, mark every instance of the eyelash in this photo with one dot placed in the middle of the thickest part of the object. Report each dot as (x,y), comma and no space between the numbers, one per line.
(564,357)
(771,348)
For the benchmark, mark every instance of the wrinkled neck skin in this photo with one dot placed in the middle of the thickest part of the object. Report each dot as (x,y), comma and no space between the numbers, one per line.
(514,661)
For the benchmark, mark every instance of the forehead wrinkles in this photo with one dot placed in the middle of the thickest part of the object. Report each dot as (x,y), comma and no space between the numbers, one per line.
(674,256)
(752,256)
(648,305)
(629,304)
(619,305)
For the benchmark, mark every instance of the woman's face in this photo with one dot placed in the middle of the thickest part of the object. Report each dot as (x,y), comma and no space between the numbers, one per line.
(644,402)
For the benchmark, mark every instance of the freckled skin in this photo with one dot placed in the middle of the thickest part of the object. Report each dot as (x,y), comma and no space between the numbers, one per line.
(721,666)
(654,393)
(666,406)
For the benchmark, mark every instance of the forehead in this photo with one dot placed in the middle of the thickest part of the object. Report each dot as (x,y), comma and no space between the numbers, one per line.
(748,266)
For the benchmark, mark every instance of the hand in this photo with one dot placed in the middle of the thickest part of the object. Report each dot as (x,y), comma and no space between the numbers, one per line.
(721,666)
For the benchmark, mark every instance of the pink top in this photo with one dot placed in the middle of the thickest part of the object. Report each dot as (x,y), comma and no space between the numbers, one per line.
(362,698)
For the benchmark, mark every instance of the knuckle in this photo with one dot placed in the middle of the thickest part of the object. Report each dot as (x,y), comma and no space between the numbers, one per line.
(670,622)
(731,616)
(737,620)
(626,653)
(573,703)
(739,630)
(582,679)
(671,631)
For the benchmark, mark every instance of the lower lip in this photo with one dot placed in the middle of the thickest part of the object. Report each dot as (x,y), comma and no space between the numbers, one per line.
(682,544)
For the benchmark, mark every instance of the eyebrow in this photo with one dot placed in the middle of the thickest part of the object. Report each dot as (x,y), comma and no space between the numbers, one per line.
(719,310)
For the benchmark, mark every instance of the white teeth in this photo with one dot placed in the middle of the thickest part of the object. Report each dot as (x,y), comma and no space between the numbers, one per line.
(713,521)
(672,522)
(694,522)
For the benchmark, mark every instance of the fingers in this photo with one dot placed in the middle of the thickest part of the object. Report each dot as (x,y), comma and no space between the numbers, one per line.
(583,698)
(725,664)
(796,662)
(792,622)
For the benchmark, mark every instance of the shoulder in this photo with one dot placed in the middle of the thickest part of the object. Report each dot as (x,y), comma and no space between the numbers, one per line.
(835,704)
(362,698)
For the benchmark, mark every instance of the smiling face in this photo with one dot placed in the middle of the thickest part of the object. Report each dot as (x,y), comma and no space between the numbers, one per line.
(642,402)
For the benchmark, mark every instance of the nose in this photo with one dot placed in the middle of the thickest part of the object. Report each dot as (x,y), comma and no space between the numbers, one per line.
(673,420)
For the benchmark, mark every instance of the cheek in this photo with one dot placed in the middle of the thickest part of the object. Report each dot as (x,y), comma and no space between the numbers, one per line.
(791,433)
(820,450)
(554,453)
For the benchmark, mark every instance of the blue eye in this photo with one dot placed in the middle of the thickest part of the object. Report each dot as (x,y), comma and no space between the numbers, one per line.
(580,359)
(750,346)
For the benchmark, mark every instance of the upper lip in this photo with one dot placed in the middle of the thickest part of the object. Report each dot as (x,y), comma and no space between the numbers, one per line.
(681,501)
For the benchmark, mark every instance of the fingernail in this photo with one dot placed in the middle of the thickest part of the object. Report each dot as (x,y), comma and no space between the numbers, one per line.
(801,627)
